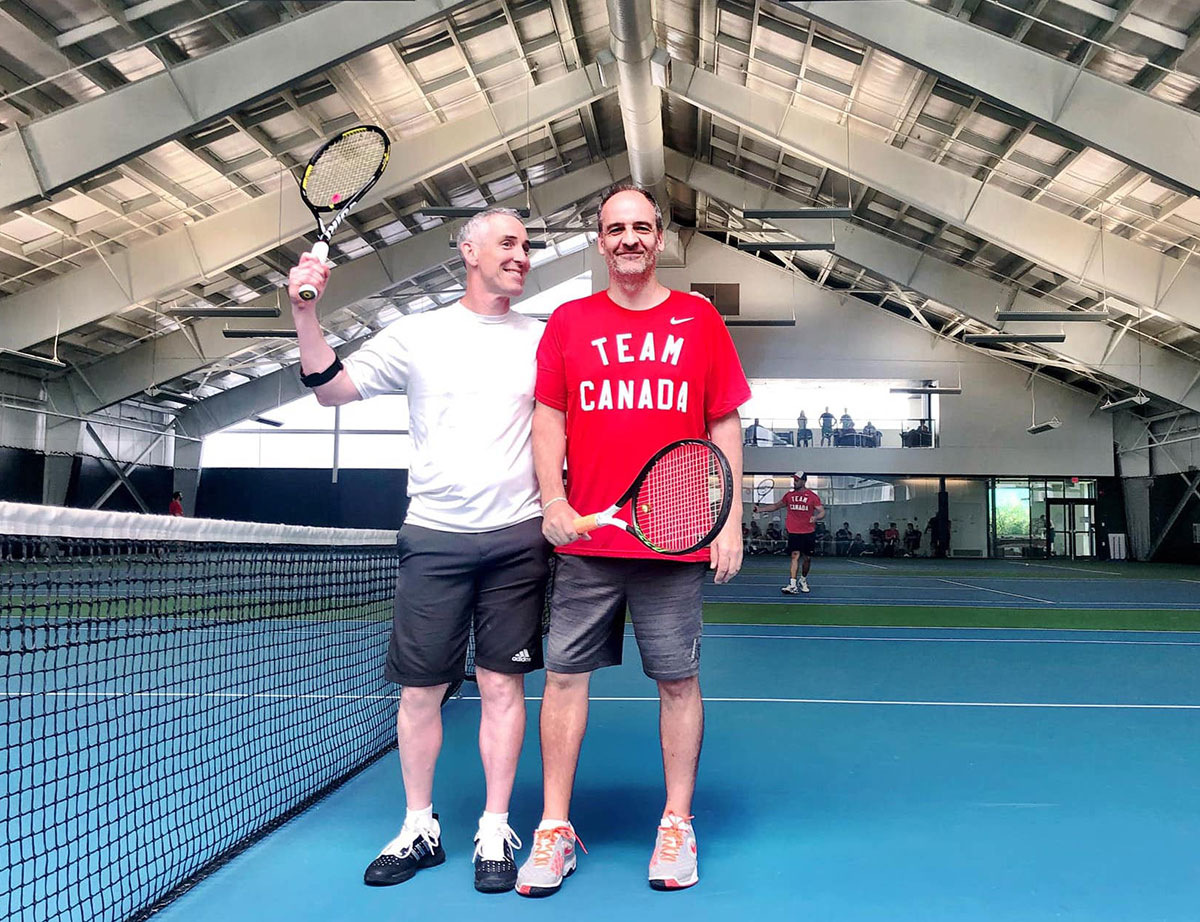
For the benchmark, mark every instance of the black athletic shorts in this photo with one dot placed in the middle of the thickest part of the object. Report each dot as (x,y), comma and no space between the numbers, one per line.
(802,543)
(449,582)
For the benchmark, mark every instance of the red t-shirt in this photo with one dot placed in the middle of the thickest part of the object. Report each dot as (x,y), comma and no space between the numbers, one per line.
(630,382)
(802,505)
(176,508)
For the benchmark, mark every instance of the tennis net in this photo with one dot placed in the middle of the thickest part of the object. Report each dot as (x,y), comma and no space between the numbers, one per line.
(173,689)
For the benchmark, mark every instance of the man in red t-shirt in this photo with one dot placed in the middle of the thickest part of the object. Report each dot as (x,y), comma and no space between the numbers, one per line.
(176,506)
(891,538)
(621,374)
(804,511)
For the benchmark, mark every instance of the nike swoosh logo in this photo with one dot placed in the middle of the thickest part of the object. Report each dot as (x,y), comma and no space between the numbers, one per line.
(675,321)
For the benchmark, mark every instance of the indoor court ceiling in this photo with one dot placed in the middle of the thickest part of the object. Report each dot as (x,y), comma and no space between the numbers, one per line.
(1019,154)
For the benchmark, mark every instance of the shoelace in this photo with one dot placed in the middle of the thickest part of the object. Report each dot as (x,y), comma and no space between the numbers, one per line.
(506,834)
(672,837)
(402,845)
(544,841)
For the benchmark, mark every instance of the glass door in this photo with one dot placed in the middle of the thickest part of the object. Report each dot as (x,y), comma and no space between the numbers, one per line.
(1071,529)
(1082,524)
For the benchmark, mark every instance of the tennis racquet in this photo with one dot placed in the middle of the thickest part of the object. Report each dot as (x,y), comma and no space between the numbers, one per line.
(763,488)
(337,177)
(679,500)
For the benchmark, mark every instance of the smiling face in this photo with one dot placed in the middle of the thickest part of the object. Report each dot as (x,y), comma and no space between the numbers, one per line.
(497,256)
(629,237)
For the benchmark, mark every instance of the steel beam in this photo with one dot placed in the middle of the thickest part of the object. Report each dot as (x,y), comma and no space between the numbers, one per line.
(117,469)
(1149,133)
(1162,372)
(158,268)
(1092,257)
(1175,513)
(64,148)
(175,354)
(283,386)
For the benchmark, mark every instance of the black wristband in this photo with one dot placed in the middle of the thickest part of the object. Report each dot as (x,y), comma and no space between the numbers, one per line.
(317,378)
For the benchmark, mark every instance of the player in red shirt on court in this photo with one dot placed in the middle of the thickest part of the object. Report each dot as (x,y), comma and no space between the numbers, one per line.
(621,374)
(804,511)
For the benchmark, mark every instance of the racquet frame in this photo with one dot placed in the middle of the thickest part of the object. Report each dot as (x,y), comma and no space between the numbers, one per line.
(326,231)
(587,523)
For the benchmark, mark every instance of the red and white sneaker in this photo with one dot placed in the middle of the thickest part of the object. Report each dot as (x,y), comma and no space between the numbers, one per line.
(552,859)
(673,865)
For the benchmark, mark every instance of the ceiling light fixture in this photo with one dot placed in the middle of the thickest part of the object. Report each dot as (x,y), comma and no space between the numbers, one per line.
(1137,400)
(982,339)
(451,212)
(258,334)
(229,313)
(759,247)
(1055,316)
(797,214)
(1052,423)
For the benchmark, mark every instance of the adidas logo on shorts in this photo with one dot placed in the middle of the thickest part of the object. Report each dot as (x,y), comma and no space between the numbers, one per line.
(522,657)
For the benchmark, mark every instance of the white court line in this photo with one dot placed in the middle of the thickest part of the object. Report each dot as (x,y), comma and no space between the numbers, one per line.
(818,581)
(1056,566)
(128,694)
(942,627)
(1011,640)
(1021,578)
(863,564)
(876,602)
(946,627)
(885,703)
(1015,595)
(613,698)
(1190,580)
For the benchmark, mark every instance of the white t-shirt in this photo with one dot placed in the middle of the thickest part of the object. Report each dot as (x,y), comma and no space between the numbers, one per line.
(469,380)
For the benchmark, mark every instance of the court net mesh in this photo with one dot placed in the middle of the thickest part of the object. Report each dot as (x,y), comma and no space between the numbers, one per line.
(173,689)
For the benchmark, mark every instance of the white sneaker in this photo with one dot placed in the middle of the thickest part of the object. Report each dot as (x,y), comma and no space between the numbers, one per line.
(790,589)
(803,584)
(673,865)
(552,860)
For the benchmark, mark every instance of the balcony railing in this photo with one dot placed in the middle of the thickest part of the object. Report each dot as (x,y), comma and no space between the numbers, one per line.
(841,433)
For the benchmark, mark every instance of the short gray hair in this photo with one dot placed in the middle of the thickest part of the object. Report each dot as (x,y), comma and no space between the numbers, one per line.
(474,224)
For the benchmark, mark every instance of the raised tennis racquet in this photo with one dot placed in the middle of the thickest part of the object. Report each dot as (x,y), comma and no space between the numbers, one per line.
(679,500)
(337,177)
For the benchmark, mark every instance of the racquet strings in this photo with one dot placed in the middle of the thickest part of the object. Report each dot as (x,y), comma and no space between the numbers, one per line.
(679,501)
(343,168)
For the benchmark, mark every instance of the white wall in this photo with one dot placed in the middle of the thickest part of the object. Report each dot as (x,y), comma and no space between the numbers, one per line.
(982,432)
(19,428)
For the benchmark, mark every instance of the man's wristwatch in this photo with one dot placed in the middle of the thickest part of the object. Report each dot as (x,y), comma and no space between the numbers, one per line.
(317,378)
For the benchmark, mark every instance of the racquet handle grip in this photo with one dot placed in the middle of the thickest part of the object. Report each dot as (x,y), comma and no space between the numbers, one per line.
(320,250)
(586,523)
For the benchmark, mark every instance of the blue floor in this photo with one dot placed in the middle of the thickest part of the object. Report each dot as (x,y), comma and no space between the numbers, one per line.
(848,774)
(974,583)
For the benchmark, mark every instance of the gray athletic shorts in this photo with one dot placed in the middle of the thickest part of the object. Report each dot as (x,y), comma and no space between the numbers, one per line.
(587,614)
(494,581)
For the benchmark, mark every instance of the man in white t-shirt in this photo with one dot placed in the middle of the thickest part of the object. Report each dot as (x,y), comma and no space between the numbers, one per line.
(471,548)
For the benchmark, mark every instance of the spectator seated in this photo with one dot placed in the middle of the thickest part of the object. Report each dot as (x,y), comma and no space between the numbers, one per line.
(848,438)
(920,437)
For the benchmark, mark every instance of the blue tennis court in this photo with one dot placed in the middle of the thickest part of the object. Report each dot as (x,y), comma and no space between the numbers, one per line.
(849,773)
(974,583)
